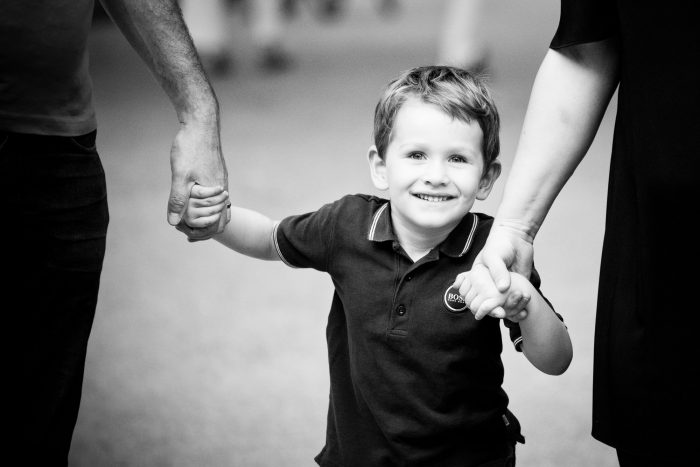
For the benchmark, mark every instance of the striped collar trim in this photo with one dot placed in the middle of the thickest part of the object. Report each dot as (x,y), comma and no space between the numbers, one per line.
(385,231)
(456,244)
(470,238)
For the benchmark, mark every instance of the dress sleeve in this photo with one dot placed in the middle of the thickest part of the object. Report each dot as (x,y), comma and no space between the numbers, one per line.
(582,21)
(516,335)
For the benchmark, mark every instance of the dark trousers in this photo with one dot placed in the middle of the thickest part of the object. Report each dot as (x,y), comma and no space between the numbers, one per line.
(52,244)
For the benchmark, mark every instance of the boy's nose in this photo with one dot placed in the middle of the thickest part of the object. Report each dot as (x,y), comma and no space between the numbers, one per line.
(435,173)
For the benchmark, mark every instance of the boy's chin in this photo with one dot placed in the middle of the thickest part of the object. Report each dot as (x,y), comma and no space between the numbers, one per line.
(429,224)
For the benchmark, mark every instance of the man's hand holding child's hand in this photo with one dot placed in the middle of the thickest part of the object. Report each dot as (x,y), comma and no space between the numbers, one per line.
(205,207)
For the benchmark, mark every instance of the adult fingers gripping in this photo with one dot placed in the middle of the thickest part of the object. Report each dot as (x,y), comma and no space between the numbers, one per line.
(203,233)
(497,269)
(177,200)
(193,235)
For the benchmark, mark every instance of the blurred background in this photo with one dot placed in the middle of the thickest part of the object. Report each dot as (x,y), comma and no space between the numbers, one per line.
(202,357)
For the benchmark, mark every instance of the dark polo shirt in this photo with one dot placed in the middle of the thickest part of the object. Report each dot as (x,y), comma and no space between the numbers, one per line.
(415,380)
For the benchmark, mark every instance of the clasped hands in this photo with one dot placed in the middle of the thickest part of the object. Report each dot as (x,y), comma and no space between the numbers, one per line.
(206,213)
(197,164)
(498,283)
(483,298)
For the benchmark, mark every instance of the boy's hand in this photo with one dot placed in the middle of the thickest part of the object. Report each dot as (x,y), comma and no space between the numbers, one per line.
(205,207)
(483,297)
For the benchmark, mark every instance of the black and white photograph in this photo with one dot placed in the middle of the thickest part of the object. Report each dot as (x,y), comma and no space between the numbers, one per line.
(350,233)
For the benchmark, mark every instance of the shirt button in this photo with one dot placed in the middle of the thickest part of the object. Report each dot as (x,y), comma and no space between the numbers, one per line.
(400,310)
(408,278)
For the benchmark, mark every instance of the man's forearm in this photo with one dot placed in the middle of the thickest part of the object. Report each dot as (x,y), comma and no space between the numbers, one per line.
(156,30)
(569,98)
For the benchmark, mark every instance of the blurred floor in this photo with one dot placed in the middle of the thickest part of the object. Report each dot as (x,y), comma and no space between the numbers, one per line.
(201,357)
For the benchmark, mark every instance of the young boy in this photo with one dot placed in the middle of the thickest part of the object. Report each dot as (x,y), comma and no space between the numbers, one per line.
(415,380)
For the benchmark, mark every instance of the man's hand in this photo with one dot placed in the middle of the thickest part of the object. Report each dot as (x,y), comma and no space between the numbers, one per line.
(157,32)
(195,157)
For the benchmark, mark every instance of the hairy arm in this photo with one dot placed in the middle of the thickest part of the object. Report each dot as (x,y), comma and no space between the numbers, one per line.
(156,30)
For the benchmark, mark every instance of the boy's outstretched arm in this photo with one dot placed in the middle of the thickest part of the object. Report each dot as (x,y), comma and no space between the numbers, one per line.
(248,233)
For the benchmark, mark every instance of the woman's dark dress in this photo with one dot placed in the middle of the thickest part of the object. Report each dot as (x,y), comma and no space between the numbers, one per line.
(646,368)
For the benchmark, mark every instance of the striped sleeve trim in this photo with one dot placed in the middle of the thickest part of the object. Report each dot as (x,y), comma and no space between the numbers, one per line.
(518,343)
(277,246)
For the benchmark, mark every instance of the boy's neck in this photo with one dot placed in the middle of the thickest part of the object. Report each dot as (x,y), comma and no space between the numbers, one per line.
(418,242)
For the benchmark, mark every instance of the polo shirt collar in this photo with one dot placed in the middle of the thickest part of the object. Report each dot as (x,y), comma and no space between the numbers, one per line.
(456,244)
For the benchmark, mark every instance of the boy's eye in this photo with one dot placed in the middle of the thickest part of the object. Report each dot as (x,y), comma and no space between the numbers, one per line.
(458,158)
(416,155)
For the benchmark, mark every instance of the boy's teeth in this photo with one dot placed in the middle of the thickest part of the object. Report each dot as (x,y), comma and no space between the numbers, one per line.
(433,198)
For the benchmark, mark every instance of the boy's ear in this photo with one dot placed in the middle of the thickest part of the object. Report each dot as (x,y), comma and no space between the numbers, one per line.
(377,169)
(487,180)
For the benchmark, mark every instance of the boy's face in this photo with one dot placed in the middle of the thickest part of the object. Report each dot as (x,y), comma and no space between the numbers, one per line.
(433,168)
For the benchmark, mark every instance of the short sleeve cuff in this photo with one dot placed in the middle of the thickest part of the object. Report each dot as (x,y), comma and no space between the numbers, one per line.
(583,21)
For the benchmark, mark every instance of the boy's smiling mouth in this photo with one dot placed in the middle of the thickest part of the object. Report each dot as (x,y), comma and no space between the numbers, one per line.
(433,198)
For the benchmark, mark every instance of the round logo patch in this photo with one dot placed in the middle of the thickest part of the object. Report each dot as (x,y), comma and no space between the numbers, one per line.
(454,301)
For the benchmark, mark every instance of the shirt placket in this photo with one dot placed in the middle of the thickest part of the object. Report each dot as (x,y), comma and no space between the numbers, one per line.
(405,290)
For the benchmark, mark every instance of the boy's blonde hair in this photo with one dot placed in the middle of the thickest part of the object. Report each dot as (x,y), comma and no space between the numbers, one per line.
(457,92)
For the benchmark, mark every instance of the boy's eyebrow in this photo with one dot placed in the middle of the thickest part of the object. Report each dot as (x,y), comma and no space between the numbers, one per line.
(411,144)
(469,150)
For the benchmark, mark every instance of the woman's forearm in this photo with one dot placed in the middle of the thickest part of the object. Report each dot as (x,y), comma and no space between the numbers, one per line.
(569,97)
